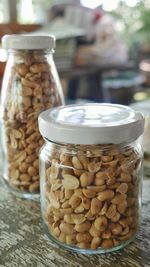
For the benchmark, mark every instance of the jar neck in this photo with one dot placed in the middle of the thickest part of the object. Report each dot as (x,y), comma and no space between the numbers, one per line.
(90,148)
(30,51)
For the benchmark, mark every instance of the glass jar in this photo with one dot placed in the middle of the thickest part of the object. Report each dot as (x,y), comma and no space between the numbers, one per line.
(91,175)
(30,85)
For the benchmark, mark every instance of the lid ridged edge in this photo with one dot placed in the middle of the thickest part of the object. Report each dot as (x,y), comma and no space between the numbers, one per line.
(28,41)
(62,132)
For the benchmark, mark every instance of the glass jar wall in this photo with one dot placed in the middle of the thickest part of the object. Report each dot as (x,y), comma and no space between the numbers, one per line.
(30,85)
(90,194)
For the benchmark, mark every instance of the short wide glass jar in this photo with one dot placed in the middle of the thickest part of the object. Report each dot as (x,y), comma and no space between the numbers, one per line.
(91,175)
(30,85)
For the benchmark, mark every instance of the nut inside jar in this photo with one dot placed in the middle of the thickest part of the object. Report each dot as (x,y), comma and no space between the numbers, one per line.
(91,195)
(31,88)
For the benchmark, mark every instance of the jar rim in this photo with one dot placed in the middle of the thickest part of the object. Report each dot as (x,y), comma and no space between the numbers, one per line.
(91,124)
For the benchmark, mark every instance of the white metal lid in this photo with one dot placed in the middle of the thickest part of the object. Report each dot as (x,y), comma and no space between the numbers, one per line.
(91,124)
(28,41)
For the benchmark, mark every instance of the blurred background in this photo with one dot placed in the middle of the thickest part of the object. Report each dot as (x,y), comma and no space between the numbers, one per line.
(103,47)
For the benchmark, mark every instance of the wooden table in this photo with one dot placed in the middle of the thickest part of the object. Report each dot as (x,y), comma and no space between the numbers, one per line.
(93,74)
(23,242)
(80,71)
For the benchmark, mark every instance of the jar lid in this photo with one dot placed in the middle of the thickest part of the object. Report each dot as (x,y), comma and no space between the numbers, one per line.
(91,124)
(28,41)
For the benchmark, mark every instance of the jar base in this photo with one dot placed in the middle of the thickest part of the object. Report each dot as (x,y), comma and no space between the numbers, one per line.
(21,194)
(85,251)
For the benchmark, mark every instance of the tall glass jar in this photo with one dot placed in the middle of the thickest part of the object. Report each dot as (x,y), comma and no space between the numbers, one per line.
(91,175)
(30,85)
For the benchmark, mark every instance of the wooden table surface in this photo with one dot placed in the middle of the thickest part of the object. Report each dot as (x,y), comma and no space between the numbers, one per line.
(23,242)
